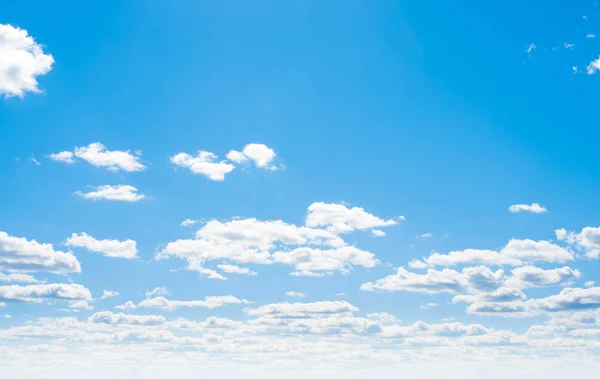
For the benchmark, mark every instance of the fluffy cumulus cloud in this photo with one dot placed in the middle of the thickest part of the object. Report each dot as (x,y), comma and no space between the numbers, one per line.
(530,276)
(210,302)
(593,67)
(205,163)
(588,240)
(338,218)
(22,61)
(108,294)
(36,293)
(233,269)
(515,253)
(108,317)
(125,193)
(533,208)
(98,155)
(111,248)
(17,278)
(469,280)
(20,254)
(260,154)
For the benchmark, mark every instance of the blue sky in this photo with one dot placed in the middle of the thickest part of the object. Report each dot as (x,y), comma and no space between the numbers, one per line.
(385,187)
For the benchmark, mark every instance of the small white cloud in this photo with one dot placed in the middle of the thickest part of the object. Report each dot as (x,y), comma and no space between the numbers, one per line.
(63,156)
(533,208)
(426,235)
(107,294)
(236,156)
(295,294)
(233,269)
(429,306)
(590,36)
(593,66)
(340,294)
(188,222)
(98,155)
(530,48)
(589,283)
(22,60)
(127,306)
(341,219)
(417,264)
(6,315)
(158,291)
(203,164)
(261,154)
(35,161)
(378,233)
(110,248)
(569,46)
(209,302)
(113,193)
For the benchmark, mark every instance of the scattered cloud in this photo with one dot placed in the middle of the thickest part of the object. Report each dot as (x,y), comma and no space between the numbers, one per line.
(63,156)
(533,208)
(110,248)
(338,218)
(113,193)
(204,164)
(22,62)
(429,306)
(108,294)
(295,294)
(587,241)
(98,155)
(37,293)
(210,302)
(17,278)
(188,222)
(233,269)
(19,254)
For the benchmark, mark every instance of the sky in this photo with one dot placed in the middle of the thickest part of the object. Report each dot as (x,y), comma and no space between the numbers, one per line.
(299,189)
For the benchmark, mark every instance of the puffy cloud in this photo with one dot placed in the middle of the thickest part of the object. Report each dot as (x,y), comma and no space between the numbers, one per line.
(295,294)
(98,155)
(588,240)
(530,276)
(126,306)
(22,60)
(158,291)
(429,306)
(593,66)
(111,248)
(302,309)
(208,302)
(107,294)
(378,233)
(307,260)
(233,269)
(188,222)
(63,156)
(209,273)
(426,235)
(19,254)
(533,208)
(203,164)
(470,280)
(113,193)
(40,292)
(77,305)
(515,253)
(108,317)
(17,278)
(569,299)
(341,219)
(260,154)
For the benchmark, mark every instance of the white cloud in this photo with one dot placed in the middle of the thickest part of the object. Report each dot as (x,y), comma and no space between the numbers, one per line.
(108,317)
(22,60)
(416,264)
(126,306)
(77,305)
(378,233)
(208,302)
(111,248)
(232,269)
(302,309)
(295,294)
(188,222)
(158,291)
(309,260)
(63,156)
(41,292)
(429,306)
(17,278)
(97,155)
(588,240)
(19,254)
(262,155)
(470,280)
(236,156)
(530,276)
(113,193)
(593,66)
(515,253)
(341,219)
(590,36)
(589,283)
(203,164)
(530,48)
(209,273)
(107,294)
(533,208)
(426,235)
